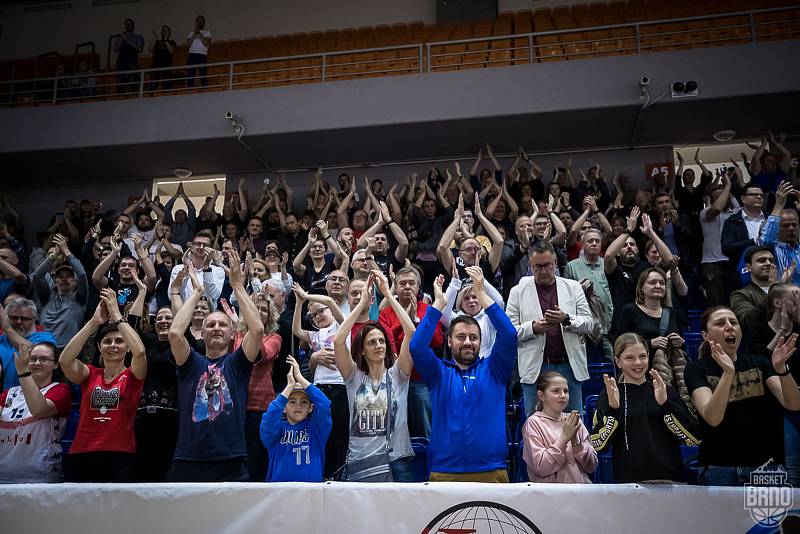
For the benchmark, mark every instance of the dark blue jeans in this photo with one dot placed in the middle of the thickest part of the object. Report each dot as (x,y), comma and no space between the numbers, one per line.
(196,59)
(722,475)
(419,410)
(791,442)
(401,470)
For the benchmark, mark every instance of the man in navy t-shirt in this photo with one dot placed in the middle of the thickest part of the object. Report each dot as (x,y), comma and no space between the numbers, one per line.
(212,389)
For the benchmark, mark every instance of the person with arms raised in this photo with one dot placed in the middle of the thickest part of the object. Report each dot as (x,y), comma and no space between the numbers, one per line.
(468,433)
(212,389)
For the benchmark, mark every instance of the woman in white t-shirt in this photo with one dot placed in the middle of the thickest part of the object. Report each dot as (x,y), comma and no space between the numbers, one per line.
(32,419)
(377,390)
(326,316)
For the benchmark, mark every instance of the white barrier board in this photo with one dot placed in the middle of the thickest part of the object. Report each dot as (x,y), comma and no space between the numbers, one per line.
(374,508)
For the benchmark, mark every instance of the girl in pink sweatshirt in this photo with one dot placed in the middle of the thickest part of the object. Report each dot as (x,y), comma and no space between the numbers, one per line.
(556,445)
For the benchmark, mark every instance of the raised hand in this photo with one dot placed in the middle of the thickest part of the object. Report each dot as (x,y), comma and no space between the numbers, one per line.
(109,297)
(230,312)
(22,358)
(633,218)
(235,274)
(647,225)
(139,283)
(383,284)
(722,359)
(439,300)
(783,351)
(299,293)
(477,207)
(659,387)
(476,274)
(384,210)
(612,391)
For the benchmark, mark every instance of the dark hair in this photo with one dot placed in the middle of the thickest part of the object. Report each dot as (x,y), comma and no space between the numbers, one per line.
(466,319)
(751,185)
(543,382)
(205,233)
(357,347)
(704,350)
(541,247)
(104,330)
(752,251)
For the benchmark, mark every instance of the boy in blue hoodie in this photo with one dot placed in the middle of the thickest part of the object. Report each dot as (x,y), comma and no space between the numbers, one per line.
(296,444)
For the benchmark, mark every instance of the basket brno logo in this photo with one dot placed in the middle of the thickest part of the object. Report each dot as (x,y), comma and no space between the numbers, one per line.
(481,517)
(768,497)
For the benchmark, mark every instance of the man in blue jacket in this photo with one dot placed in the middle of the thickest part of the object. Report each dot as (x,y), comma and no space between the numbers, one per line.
(468,434)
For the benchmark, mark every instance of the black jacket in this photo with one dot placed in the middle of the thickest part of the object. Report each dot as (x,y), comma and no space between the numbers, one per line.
(735,239)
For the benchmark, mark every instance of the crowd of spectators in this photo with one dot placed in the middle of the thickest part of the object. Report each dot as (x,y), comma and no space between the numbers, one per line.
(267,343)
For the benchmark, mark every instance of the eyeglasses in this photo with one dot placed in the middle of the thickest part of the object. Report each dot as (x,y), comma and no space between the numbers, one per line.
(318,312)
(470,250)
(543,266)
(754,195)
(41,360)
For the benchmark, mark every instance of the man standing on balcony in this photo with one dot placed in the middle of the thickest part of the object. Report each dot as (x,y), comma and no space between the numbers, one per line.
(128,46)
(198,41)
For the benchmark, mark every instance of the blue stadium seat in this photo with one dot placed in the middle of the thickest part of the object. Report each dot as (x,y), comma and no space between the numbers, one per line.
(420,467)
(694,320)
(693,341)
(604,473)
(595,384)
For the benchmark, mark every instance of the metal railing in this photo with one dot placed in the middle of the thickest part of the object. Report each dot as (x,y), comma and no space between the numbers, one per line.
(617,39)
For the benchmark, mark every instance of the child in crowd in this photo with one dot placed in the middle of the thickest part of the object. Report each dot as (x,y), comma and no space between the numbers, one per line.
(645,422)
(296,444)
(556,445)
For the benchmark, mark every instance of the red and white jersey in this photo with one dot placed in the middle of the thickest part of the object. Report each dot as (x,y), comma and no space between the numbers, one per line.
(30,448)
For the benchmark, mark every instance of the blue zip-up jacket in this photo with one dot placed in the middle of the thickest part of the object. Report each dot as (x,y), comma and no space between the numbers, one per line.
(296,452)
(468,431)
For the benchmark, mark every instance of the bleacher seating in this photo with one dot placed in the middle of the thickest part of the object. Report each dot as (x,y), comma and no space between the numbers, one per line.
(349,54)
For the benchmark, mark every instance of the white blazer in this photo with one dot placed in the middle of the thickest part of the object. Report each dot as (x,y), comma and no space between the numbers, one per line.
(524,308)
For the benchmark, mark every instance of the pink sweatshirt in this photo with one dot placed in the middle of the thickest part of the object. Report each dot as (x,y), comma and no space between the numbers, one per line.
(548,463)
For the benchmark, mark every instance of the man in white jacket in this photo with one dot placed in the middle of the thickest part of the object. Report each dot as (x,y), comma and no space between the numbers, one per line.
(551,316)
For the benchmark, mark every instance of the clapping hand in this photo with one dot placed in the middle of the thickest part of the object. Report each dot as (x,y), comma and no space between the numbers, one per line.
(612,391)
(782,352)
(659,387)
(569,426)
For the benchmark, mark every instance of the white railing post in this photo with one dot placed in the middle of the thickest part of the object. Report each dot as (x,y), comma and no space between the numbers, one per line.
(141,84)
(428,55)
(230,76)
(752,27)
(638,42)
(55,90)
(420,58)
(530,48)
(324,66)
